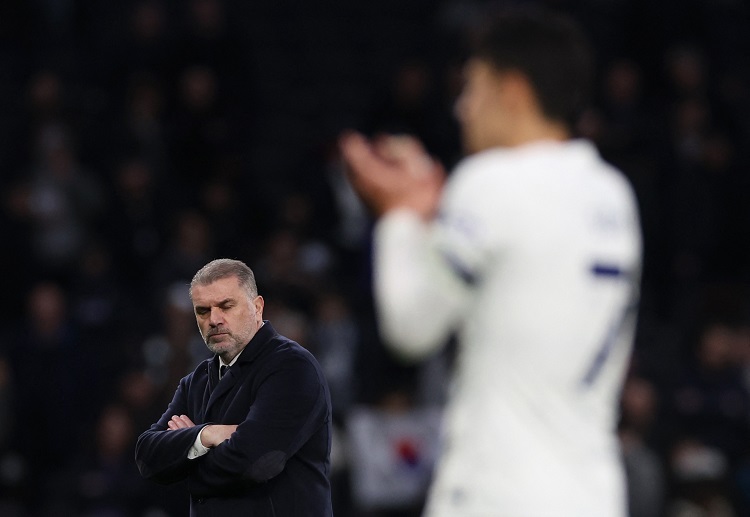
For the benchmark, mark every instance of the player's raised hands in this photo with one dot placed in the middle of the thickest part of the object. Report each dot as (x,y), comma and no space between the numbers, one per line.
(393,172)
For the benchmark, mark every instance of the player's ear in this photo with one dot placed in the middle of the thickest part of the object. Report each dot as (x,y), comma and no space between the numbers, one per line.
(518,92)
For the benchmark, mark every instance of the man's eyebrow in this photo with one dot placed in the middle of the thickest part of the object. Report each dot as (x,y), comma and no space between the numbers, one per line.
(220,303)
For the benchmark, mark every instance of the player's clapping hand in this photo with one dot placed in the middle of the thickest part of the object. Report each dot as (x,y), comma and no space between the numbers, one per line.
(393,172)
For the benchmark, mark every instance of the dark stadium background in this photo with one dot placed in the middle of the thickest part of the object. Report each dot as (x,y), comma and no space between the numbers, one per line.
(140,139)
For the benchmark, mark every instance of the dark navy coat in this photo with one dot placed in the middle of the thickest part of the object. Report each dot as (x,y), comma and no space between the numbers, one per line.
(277,463)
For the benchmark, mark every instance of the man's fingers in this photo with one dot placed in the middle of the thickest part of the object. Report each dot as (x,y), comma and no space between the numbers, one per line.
(180,422)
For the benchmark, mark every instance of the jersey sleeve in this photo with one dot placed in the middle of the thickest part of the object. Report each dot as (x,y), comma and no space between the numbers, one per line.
(425,273)
(473,223)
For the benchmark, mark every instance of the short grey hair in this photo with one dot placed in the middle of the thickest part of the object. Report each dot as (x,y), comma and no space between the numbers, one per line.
(226,268)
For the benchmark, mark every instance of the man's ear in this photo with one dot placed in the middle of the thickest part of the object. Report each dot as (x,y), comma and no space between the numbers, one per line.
(259,303)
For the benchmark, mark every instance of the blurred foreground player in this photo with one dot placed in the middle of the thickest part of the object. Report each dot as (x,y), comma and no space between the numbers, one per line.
(250,428)
(531,254)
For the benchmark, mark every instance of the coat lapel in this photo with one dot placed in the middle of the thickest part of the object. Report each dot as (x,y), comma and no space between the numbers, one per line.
(251,351)
(223,386)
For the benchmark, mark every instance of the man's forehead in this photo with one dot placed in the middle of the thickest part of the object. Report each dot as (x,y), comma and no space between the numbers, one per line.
(217,290)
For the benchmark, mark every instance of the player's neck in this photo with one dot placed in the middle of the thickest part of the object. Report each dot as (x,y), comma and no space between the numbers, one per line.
(532,129)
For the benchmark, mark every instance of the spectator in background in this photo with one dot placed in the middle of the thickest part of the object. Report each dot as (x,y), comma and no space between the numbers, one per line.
(701,481)
(136,226)
(12,467)
(175,349)
(687,72)
(16,227)
(222,207)
(295,262)
(139,393)
(64,202)
(393,447)
(412,105)
(47,109)
(7,419)
(95,292)
(290,319)
(208,40)
(647,480)
(190,244)
(710,403)
(96,309)
(104,480)
(146,47)
(335,342)
(351,221)
(630,138)
(200,132)
(140,127)
(741,473)
(48,365)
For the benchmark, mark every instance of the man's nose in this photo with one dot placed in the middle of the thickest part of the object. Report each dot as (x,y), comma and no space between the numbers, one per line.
(216,316)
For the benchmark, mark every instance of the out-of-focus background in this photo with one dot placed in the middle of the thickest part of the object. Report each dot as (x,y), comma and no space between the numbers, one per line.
(141,139)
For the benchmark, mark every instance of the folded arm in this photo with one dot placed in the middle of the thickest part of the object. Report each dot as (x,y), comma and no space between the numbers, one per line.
(290,406)
(161,452)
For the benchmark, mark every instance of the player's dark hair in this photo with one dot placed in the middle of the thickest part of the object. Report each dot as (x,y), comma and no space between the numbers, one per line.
(226,268)
(549,48)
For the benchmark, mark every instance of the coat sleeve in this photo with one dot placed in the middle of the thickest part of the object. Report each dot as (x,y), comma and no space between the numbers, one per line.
(290,406)
(162,454)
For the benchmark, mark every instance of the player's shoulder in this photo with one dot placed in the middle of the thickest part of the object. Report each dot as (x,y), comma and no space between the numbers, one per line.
(488,162)
(482,174)
(503,172)
(527,162)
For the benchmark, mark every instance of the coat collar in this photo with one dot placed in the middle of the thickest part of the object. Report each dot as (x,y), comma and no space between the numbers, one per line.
(252,350)
(257,344)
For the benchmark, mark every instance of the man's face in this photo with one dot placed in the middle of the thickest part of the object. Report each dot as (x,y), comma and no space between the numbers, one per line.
(227,317)
(480,108)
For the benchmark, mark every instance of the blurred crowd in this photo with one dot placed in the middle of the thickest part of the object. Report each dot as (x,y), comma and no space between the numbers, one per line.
(140,139)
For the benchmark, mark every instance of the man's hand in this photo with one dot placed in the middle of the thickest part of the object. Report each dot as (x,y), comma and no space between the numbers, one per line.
(211,435)
(393,172)
(180,422)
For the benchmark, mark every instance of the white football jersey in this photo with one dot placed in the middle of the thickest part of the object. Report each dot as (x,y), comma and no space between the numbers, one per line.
(534,263)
